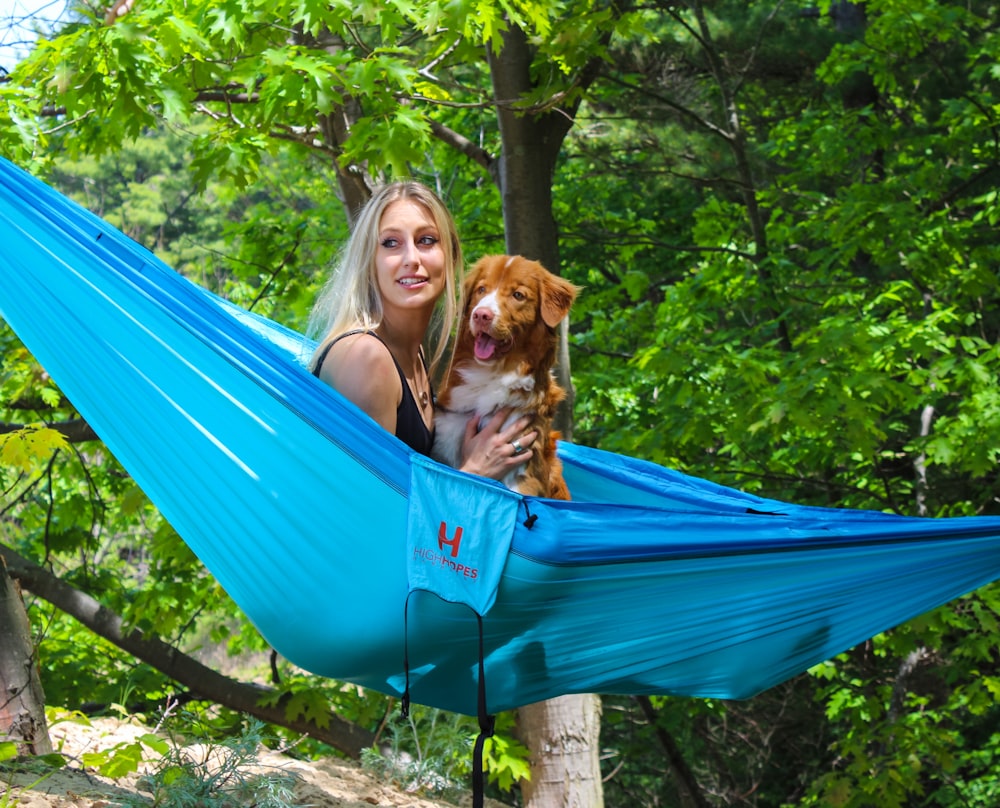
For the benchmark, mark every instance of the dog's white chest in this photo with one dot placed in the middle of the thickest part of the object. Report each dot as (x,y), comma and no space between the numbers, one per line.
(481,393)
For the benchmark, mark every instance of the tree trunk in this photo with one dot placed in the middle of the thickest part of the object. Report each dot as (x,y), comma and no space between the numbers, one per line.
(22,703)
(563,736)
(563,733)
(531,142)
(355,189)
(203,682)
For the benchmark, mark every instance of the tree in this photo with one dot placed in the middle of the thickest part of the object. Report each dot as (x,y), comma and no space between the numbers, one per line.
(563,737)
(562,734)
(330,67)
(785,230)
(22,711)
(800,349)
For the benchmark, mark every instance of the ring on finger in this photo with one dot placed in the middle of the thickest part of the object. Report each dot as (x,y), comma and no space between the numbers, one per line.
(518,448)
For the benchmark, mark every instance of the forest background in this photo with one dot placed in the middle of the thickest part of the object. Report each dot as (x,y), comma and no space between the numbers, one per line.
(783,216)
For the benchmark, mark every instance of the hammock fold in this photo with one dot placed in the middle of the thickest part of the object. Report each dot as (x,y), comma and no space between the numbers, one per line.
(361,561)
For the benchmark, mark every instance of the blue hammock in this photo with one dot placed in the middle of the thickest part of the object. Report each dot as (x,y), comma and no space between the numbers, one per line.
(361,561)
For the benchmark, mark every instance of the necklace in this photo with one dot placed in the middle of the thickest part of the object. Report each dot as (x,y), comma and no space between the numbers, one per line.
(421,381)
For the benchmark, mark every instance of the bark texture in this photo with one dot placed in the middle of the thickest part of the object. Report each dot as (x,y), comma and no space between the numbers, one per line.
(22,702)
(563,735)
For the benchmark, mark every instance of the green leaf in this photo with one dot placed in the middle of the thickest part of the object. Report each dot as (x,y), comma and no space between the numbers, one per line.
(118,761)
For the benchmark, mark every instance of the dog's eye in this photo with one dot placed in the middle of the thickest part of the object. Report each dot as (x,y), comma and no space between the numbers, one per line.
(481,289)
(519,295)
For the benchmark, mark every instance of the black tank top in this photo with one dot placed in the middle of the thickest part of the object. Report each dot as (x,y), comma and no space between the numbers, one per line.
(410,425)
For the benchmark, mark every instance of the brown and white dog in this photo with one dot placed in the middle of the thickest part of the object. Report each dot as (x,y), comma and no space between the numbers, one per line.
(504,354)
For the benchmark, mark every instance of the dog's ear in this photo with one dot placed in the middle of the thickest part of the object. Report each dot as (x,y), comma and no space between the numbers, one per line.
(558,295)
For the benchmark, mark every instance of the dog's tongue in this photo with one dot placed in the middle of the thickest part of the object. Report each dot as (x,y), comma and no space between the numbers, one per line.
(485,346)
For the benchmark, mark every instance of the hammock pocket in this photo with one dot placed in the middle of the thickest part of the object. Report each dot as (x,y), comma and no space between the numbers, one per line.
(457,555)
(360,561)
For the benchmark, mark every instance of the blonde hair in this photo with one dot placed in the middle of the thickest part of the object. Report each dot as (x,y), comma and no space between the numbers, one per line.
(350,297)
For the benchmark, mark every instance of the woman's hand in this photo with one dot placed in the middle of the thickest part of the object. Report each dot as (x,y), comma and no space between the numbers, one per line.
(491,451)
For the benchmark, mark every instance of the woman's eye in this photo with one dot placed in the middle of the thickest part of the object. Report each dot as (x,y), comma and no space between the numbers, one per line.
(428,240)
(389,243)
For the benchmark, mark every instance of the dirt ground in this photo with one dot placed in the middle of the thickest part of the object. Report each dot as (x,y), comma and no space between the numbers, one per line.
(329,783)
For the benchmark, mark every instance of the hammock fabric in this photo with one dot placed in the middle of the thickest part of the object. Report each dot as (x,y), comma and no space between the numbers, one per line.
(358,560)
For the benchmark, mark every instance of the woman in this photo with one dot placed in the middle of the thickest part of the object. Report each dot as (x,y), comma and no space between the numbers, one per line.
(374,313)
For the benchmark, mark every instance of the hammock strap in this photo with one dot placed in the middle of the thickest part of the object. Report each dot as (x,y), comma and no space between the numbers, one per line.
(404,702)
(487,722)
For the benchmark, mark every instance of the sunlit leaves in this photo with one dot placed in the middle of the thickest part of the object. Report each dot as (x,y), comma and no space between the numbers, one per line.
(507,761)
(175,61)
(396,139)
(31,447)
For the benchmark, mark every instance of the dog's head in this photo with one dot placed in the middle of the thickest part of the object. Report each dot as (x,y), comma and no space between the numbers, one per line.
(511,307)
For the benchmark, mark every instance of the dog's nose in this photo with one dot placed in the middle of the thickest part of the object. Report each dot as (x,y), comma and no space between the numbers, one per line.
(482,317)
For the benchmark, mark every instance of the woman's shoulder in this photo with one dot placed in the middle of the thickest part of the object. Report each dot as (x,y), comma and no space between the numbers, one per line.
(360,367)
(360,347)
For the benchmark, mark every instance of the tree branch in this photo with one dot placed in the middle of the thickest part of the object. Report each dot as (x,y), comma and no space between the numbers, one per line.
(204,682)
(75,430)
(463,145)
(676,758)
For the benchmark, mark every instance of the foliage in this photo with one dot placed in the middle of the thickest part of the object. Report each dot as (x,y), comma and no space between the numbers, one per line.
(796,357)
(783,216)
(215,773)
(198,768)
(272,69)
(759,751)
(430,751)
(30,447)
(506,758)
(426,752)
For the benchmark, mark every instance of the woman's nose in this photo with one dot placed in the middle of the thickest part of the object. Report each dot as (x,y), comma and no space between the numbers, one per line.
(411,255)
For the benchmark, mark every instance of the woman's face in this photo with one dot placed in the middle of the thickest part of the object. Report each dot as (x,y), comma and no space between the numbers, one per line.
(410,263)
